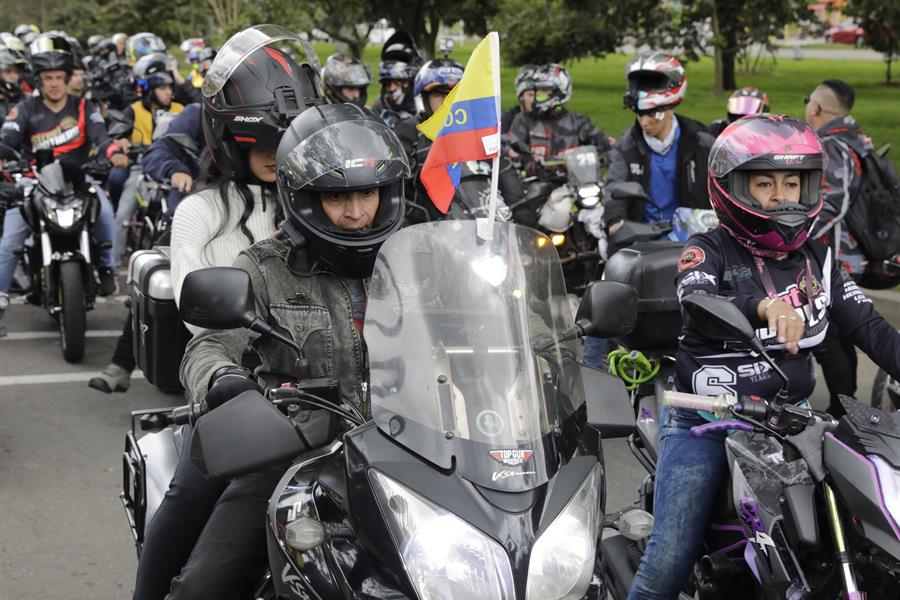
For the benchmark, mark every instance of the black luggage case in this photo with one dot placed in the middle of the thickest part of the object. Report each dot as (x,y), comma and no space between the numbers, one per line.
(651,268)
(159,335)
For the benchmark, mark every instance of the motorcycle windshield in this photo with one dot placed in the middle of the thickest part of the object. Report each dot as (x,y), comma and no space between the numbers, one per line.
(467,366)
(582,165)
(53,182)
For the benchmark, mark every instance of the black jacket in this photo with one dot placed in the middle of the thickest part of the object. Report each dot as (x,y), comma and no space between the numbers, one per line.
(714,263)
(630,161)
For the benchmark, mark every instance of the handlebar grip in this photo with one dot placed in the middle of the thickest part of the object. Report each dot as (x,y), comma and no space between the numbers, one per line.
(711,404)
(699,430)
(183,415)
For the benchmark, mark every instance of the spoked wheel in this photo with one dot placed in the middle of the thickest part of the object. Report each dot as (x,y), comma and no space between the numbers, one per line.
(885,392)
(72,316)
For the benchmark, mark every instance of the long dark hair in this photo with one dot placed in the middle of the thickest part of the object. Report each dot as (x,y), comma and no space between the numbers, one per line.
(212,179)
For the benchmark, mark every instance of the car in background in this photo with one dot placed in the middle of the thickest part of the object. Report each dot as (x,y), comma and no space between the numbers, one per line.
(848,32)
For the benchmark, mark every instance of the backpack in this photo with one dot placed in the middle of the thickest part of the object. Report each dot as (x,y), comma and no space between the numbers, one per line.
(874,213)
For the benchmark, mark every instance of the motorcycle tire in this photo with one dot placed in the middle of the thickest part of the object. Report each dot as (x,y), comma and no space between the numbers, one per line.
(72,321)
(885,392)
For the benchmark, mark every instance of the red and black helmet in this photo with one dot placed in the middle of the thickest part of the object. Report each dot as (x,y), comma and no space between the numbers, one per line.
(260,80)
(656,80)
(766,142)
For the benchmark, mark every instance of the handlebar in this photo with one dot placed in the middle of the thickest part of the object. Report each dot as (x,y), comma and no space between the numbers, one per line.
(716,405)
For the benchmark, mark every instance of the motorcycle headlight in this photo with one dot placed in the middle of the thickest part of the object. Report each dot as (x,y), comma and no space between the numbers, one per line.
(444,556)
(562,561)
(889,479)
(558,239)
(589,195)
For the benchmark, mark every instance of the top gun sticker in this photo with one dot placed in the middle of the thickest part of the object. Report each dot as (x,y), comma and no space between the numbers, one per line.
(513,457)
(690,258)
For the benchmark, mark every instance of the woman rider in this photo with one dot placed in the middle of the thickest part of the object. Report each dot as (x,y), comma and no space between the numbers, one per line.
(340,183)
(765,173)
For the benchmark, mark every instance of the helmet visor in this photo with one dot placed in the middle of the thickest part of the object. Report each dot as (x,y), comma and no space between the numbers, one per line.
(244,43)
(744,105)
(357,75)
(357,154)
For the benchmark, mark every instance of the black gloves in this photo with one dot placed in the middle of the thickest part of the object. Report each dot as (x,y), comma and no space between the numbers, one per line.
(227,383)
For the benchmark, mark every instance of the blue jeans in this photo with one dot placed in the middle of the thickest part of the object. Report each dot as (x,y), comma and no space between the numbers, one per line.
(125,209)
(116,181)
(16,230)
(595,351)
(688,474)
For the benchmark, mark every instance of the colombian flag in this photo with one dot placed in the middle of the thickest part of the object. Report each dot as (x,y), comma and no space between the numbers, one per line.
(466,126)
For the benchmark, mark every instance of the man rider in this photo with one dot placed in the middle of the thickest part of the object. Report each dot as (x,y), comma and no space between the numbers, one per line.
(665,153)
(77,79)
(336,219)
(432,84)
(548,128)
(10,82)
(346,79)
(828,113)
(524,85)
(69,127)
(155,84)
(201,60)
(400,61)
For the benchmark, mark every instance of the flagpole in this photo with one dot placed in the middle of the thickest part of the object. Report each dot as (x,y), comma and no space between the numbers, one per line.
(487,234)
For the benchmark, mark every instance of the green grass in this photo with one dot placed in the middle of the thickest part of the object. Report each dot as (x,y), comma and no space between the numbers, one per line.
(599,84)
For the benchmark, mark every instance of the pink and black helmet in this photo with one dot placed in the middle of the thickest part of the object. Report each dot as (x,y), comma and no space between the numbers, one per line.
(766,142)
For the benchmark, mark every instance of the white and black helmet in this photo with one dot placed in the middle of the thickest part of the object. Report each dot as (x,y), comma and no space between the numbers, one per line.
(655,81)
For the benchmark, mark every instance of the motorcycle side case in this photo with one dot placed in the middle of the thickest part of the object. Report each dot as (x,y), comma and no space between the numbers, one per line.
(159,335)
(651,268)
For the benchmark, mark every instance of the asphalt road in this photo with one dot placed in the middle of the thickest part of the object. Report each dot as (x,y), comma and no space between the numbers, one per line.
(63,532)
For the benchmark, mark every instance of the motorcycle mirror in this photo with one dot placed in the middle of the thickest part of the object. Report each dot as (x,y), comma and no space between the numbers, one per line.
(628,191)
(718,319)
(608,309)
(217,298)
(245,435)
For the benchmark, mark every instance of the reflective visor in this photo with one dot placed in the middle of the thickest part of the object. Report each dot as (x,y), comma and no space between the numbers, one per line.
(244,43)
(744,105)
(341,149)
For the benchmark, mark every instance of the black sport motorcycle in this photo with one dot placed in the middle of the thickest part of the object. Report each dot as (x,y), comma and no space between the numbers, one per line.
(60,207)
(480,473)
(810,507)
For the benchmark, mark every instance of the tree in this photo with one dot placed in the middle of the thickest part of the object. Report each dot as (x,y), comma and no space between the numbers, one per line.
(880,19)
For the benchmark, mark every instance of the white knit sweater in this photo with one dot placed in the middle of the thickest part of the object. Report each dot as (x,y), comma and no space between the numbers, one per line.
(198,218)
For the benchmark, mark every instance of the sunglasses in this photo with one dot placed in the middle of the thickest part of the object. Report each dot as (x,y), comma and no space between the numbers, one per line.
(806,100)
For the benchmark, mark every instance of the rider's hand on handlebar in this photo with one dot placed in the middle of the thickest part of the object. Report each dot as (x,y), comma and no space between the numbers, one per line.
(124,144)
(784,319)
(182,182)
(119,160)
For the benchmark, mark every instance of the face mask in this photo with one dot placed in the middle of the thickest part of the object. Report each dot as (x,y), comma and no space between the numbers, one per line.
(397,96)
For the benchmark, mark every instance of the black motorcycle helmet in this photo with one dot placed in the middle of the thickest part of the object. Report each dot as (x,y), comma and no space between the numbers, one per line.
(337,148)
(346,72)
(51,52)
(9,90)
(252,91)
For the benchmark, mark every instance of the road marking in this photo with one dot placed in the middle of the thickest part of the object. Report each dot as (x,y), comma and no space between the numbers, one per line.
(117,299)
(39,335)
(76,377)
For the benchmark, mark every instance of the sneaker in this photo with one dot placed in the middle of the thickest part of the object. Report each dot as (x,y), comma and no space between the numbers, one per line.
(4,303)
(112,379)
(108,284)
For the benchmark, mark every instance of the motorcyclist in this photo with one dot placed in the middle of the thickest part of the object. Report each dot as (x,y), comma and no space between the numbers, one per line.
(548,129)
(142,44)
(764,182)
(200,59)
(742,102)
(155,84)
(119,51)
(77,84)
(10,86)
(22,73)
(212,226)
(336,218)
(433,82)
(400,61)
(644,153)
(524,85)
(27,32)
(346,79)
(69,127)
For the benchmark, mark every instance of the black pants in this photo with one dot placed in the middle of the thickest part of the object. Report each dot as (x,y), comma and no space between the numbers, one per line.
(837,356)
(230,555)
(123,355)
(176,526)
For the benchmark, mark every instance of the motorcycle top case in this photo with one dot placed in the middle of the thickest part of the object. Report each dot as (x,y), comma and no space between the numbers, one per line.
(159,335)
(651,268)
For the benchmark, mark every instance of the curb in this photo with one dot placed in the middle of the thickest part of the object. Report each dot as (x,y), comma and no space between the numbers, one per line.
(886,295)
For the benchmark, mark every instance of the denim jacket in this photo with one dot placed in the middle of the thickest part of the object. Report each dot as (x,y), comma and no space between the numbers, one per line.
(296,295)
